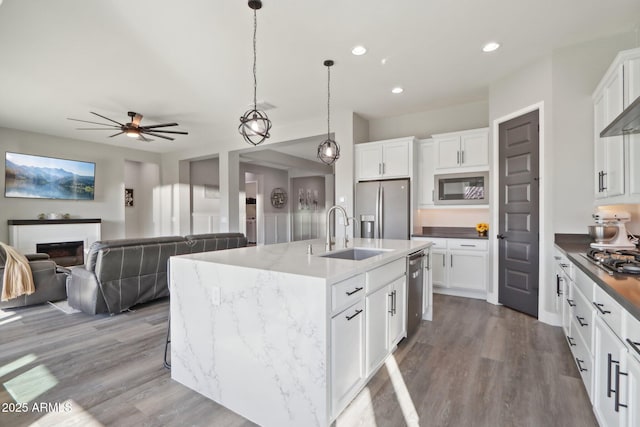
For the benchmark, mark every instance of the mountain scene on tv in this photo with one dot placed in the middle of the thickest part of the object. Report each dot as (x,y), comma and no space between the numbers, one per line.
(48,178)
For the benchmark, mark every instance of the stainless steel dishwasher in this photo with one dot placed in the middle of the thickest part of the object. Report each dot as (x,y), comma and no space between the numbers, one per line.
(415,279)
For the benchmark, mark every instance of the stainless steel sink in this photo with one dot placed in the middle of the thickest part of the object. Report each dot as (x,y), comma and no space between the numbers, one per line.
(355,254)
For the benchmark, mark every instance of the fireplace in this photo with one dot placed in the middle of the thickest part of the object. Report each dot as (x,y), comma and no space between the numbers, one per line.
(65,254)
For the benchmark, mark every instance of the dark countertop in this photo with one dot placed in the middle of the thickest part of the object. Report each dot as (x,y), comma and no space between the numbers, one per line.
(625,289)
(53,221)
(450,233)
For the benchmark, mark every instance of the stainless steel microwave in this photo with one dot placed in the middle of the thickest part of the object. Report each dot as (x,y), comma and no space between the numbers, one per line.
(462,189)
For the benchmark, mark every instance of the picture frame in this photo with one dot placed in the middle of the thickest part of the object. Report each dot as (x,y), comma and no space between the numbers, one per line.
(128,197)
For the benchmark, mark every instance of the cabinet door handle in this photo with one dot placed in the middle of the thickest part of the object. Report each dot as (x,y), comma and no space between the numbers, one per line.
(564,265)
(451,260)
(395,300)
(391,303)
(571,341)
(354,315)
(609,362)
(634,345)
(379,168)
(457,157)
(618,405)
(600,182)
(462,157)
(600,309)
(580,321)
(580,362)
(571,302)
(604,187)
(558,284)
(469,246)
(357,289)
(383,168)
(443,257)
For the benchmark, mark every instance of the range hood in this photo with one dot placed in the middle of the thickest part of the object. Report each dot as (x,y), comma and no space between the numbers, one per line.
(626,123)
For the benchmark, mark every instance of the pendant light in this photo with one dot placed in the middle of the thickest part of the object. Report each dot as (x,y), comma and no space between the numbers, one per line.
(254,124)
(329,150)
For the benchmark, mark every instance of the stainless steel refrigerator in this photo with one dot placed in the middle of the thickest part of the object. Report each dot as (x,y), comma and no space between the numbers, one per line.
(382,209)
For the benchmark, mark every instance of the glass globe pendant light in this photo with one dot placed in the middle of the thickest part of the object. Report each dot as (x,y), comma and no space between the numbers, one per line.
(254,124)
(329,150)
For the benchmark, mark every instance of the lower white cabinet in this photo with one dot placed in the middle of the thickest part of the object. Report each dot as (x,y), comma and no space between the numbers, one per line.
(459,266)
(347,354)
(608,389)
(386,321)
(633,391)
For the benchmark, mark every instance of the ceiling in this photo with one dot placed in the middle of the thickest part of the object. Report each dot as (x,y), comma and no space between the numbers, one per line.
(190,61)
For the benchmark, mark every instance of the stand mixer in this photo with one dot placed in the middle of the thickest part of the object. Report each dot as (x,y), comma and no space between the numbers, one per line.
(616,219)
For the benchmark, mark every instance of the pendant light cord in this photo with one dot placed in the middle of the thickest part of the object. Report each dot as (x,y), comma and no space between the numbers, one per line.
(328,101)
(255,78)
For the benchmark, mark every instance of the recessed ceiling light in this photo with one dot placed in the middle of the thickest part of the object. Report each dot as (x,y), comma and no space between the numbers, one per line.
(397,90)
(490,47)
(359,50)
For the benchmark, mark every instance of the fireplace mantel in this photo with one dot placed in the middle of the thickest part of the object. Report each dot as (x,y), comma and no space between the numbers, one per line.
(25,234)
(53,221)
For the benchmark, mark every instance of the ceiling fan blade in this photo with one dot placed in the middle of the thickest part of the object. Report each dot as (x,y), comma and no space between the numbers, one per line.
(157,135)
(93,123)
(106,118)
(179,132)
(96,128)
(144,139)
(136,119)
(159,126)
(116,134)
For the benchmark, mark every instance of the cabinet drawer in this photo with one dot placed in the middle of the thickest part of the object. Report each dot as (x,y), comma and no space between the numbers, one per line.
(632,333)
(383,275)
(583,317)
(583,360)
(564,264)
(468,244)
(439,243)
(583,283)
(347,292)
(609,310)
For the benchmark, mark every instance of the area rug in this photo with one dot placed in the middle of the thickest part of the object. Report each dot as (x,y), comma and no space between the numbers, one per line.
(64,307)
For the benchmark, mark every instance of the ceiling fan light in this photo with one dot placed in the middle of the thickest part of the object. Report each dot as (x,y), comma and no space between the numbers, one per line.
(132,133)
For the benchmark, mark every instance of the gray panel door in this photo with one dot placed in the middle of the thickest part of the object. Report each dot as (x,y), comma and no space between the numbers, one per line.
(518,227)
(395,212)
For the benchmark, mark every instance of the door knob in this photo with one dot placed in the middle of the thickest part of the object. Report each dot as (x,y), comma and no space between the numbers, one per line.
(500,236)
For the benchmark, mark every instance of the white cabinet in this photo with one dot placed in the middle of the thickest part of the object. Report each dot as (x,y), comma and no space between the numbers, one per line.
(467,150)
(633,392)
(426,171)
(607,391)
(347,354)
(459,266)
(386,317)
(384,159)
(616,158)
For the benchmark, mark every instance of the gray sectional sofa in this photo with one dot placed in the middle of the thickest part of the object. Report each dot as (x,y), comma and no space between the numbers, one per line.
(119,274)
(48,279)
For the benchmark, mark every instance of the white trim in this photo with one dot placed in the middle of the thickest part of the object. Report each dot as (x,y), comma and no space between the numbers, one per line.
(492,296)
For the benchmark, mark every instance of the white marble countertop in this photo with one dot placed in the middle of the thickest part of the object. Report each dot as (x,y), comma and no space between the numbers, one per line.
(292,257)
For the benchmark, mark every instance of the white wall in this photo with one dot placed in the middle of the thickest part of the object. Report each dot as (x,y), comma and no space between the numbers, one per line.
(142,219)
(576,71)
(426,123)
(109,191)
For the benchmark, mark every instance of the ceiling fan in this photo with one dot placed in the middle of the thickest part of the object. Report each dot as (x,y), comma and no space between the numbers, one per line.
(133,128)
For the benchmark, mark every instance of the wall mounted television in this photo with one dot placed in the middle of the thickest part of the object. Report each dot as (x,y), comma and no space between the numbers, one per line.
(38,177)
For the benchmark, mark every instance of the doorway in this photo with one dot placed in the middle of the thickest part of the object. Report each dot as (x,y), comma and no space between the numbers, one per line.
(251,216)
(518,213)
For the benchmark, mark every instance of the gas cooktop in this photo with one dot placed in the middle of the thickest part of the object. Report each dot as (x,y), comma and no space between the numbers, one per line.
(616,261)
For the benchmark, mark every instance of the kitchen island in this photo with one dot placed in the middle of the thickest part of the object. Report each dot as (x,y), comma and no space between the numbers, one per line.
(283,337)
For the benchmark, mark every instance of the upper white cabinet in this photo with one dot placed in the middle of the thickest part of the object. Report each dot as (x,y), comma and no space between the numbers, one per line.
(384,159)
(468,150)
(617,158)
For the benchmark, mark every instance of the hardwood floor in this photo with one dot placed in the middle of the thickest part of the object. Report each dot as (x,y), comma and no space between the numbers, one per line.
(475,365)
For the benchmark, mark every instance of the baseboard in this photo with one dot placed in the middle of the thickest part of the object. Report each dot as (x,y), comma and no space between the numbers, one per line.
(461,293)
